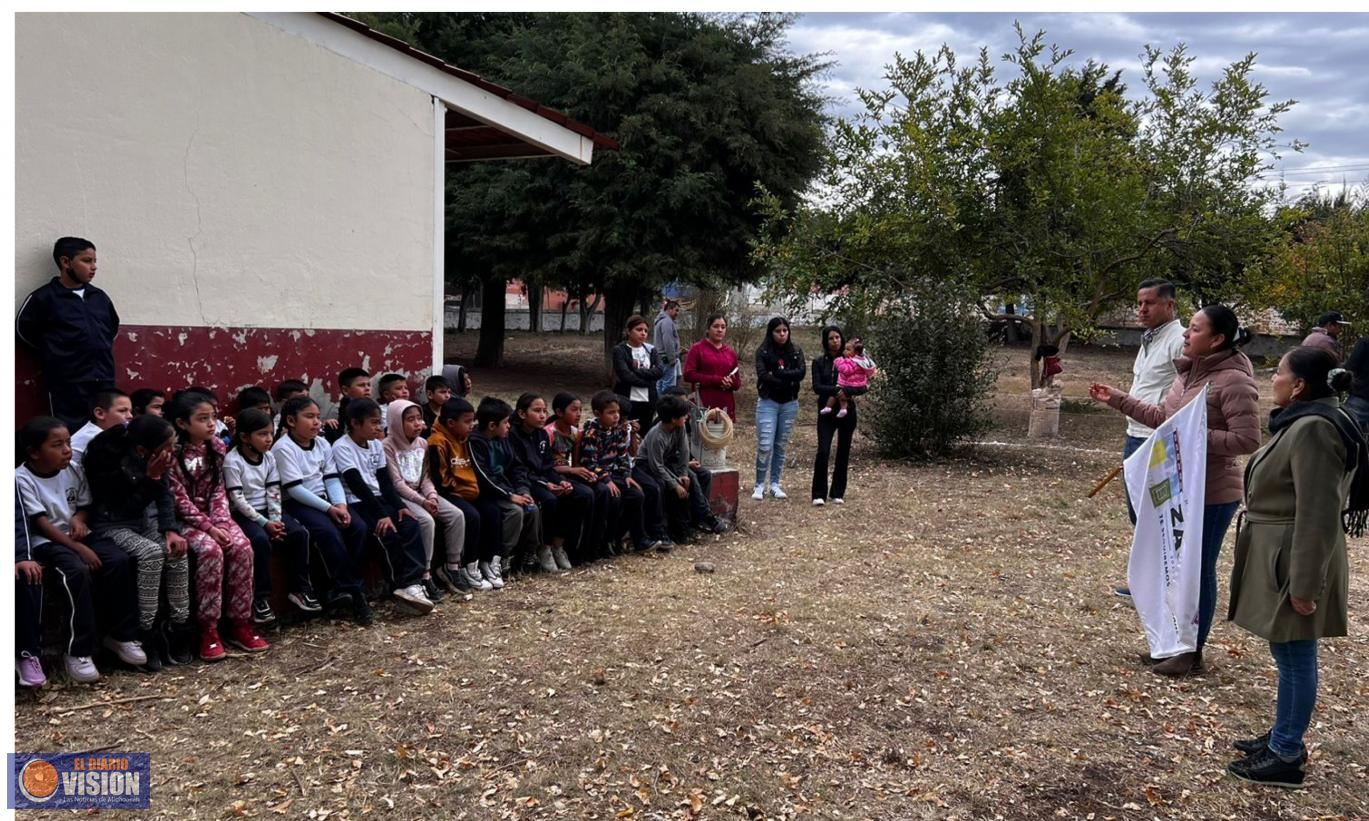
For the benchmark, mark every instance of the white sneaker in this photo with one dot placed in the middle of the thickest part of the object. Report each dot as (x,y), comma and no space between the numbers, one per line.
(471,574)
(545,560)
(129,652)
(82,669)
(778,492)
(490,575)
(758,493)
(414,596)
(837,500)
(498,565)
(562,560)
(819,502)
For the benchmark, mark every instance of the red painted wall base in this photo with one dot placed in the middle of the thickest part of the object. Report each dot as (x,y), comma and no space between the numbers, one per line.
(227,359)
(722,494)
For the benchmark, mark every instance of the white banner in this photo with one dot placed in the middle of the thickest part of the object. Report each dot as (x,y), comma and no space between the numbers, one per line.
(1166,478)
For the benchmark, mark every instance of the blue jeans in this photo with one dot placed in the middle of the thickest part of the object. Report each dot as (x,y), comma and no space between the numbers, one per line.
(1358,409)
(667,379)
(774,423)
(1216,519)
(1132,443)
(1297,662)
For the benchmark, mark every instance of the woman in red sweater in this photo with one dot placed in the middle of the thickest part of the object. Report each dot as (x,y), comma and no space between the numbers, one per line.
(711,365)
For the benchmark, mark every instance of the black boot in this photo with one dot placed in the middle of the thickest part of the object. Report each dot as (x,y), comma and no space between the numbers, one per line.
(361,610)
(177,640)
(152,648)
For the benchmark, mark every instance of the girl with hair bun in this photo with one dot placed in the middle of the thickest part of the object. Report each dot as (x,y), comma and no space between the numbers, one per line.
(1211,358)
(1305,490)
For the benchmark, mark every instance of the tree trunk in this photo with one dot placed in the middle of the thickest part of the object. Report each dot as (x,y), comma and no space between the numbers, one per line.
(619,299)
(587,309)
(535,308)
(490,352)
(565,306)
(1038,334)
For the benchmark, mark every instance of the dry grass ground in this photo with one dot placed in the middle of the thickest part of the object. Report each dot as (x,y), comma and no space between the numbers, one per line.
(945,645)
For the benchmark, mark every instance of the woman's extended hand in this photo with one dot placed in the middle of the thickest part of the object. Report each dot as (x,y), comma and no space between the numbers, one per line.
(1303,607)
(1103,393)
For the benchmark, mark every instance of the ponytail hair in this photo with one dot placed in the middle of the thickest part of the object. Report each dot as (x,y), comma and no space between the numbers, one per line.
(525,401)
(250,420)
(293,406)
(1225,322)
(1317,368)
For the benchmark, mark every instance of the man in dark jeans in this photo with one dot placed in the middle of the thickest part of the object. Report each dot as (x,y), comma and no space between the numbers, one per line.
(825,386)
(71,325)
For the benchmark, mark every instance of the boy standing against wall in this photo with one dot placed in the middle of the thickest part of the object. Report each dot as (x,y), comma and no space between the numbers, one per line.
(71,325)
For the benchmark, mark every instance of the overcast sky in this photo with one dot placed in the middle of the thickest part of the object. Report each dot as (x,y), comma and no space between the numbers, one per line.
(1320,60)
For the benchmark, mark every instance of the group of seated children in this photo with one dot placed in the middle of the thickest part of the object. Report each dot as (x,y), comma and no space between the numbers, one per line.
(154,491)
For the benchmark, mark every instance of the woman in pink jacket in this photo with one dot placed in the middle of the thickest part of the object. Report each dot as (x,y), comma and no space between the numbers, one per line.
(1210,357)
(712,366)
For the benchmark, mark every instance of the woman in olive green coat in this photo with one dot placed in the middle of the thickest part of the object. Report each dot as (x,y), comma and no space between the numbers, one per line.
(1291,575)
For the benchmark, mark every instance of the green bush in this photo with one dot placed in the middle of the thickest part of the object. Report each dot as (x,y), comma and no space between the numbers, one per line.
(934,376)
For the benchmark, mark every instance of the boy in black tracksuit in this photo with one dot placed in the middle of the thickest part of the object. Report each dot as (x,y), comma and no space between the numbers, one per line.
(71,325)
(501,476)
(563,505)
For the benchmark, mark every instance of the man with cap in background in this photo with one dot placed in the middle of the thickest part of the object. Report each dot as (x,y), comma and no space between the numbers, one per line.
(1325,335)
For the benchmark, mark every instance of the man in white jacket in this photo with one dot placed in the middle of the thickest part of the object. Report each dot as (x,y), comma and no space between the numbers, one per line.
(1154,370)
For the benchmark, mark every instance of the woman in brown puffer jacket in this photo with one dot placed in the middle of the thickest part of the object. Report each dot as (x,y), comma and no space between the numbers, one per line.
(1211,357)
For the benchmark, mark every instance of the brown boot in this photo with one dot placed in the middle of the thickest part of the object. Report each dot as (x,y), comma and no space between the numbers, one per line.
(1181,665)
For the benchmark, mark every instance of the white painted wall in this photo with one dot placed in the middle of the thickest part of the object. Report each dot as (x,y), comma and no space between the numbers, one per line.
(228,172)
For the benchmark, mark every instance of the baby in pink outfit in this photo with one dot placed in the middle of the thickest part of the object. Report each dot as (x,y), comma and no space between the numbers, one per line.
(854,370)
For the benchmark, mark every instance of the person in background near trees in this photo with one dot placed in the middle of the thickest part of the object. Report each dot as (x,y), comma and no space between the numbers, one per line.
(1211,358)
(711,366)
(1153,372)
(110,407)
(1358,366)
(779,371)
(1326,335)
(825,386)
(147,400)
(71,325)
(666,338)
(636,370)
(1291,575)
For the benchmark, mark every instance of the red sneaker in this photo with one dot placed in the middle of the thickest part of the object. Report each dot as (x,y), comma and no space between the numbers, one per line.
(245,638)
(211,648)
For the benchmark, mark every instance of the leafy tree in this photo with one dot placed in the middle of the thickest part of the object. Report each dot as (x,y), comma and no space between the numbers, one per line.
(1052,192)
(706,108)
(1320,263)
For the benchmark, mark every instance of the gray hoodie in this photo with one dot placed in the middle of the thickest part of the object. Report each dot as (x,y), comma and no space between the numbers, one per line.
(666,338)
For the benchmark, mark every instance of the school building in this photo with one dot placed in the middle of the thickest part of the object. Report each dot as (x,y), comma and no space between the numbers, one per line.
(266,192)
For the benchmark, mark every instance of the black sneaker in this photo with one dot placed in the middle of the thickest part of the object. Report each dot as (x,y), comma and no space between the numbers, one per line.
(432,591)
(1250,746)
(1267,768)
(262,613)
(664,546)
(361,610)
(718,526)
(448,579)
(1124,592)
(306,602)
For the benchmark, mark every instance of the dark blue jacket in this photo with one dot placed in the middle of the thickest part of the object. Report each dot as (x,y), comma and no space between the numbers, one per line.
(23,540)
(74,336)
(498,471)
